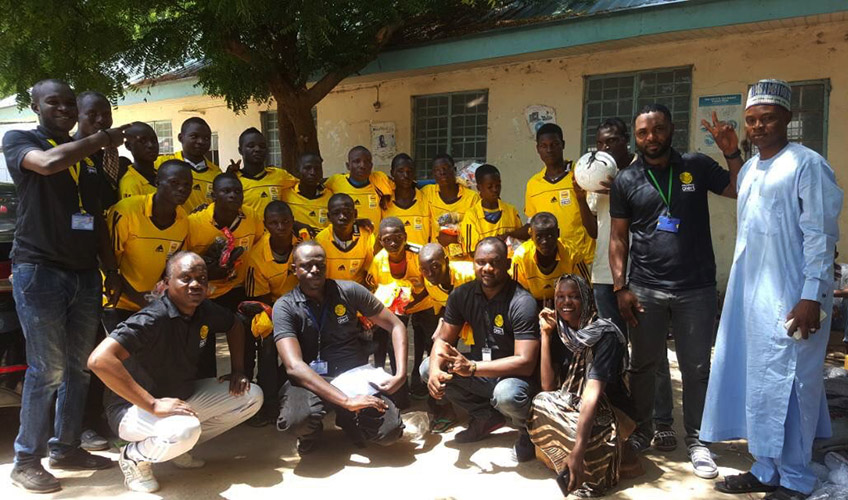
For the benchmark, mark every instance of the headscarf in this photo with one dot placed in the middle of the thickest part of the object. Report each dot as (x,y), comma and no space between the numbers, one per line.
(589,332)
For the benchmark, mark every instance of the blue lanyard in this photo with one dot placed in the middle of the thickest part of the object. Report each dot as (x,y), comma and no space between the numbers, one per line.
(318,324)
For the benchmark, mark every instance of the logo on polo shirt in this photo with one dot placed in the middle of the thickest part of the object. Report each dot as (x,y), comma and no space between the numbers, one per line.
(686,180)
(204,332)
(565,197)
(340,310)
(498,320)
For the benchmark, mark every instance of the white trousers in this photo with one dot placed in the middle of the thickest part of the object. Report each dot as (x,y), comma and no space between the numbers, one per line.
(154,439)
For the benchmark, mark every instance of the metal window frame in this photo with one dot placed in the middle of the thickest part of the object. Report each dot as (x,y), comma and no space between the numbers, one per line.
(825,106)
(420,172)
(276,157)
(159,137)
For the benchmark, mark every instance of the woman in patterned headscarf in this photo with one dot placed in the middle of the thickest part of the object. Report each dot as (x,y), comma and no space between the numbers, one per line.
(574,423)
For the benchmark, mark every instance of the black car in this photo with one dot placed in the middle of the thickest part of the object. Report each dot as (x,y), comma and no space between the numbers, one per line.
(12,357)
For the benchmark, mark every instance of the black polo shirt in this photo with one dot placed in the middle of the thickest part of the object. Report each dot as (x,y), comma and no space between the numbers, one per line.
(46,203)
(331,327)
(497,323)
(658,259)
(164,348)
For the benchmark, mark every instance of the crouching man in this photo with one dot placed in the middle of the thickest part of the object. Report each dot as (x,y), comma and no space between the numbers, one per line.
(149,365)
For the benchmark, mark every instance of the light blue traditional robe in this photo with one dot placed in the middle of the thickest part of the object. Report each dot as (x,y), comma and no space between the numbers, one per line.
(787,214)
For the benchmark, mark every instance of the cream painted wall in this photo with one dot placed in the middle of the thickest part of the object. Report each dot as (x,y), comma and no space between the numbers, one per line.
(721,65)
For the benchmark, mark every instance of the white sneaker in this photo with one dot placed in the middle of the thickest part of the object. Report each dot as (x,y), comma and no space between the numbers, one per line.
(186,461)
(702,462)
(138,476)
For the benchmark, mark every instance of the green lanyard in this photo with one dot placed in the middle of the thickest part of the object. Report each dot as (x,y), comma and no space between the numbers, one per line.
(665,200)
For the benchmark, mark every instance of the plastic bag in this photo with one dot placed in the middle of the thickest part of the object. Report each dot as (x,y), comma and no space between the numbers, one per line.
(830,492)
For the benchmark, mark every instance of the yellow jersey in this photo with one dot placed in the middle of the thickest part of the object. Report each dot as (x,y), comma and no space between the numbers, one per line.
(132,183)
(461,271)
(416,219)
(559,199)
(265,275)
(201,185)
(525,269)
(202,232)
(141,248)
(313,213)
(467,198)
(474,226)
(366,199)
(268,187)
(351,264)
(380,274)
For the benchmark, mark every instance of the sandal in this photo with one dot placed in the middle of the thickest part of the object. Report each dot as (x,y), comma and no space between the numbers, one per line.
(441,425)
(743,483)
(664,440)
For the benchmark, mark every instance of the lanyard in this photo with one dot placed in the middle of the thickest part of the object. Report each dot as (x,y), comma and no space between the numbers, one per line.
(75,173)
(318,324)
(665,200)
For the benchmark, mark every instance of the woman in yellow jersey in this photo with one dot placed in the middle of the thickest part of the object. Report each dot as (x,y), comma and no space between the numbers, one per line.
(140,177)
(448,202)
(408,203)
(369,188)
(261,184)
(308,199)
(490,216)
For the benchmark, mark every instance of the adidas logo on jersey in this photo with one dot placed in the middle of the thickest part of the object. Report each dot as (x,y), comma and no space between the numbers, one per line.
(263,195)
(160,248)
(554,199)
(196,187)
(356,202)
(312,214)
(341,267)
(407,223)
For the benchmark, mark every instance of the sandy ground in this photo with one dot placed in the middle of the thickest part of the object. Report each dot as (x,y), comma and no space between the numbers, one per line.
(261,463)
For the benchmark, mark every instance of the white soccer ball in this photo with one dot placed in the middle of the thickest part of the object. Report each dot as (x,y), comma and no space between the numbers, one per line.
(594,168)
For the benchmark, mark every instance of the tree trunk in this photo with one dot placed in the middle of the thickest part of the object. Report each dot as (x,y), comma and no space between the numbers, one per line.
(297,131)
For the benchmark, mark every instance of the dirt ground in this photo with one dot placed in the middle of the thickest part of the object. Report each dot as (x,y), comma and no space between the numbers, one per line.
(261,463)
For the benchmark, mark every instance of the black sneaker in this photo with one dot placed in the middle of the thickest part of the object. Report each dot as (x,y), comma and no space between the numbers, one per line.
(524,448)
(480,428)
(34,479)
(79,459)
(305,446)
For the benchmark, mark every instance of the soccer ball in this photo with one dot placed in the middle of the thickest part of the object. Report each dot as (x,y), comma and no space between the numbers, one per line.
(594,168)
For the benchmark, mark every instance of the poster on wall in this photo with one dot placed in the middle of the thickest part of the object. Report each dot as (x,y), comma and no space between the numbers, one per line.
(728,108)
(538,115)
(383,145)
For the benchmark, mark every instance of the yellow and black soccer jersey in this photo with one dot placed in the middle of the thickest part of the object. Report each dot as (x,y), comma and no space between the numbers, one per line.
(141,248)
(366,199)
(467,199)
(416,219)
(380,274)
(525,269)
(202,232)
(351,264)
(461,271)
(559,199)
(267,187)
(132,183)
(201,186)
(474,226)
(313,213)
(265,275)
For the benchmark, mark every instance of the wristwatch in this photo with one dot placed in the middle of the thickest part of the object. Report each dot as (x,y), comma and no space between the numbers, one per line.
(733,156)
(473,368)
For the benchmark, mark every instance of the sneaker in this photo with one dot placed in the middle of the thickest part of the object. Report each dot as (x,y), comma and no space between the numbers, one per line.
(138,476)
(524,448)
(79,459)
(92,441)
(305,446)
(702,462)
(186,461)
(34,479)
(480,429)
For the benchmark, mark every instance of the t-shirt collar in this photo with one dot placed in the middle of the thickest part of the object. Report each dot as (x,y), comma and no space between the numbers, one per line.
(50,135)
(173,312)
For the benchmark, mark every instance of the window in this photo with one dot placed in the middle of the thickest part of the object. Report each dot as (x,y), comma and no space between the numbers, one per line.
(271,131)
(213,155)
(455,123)
(809,114)
(165,134)
(622,95)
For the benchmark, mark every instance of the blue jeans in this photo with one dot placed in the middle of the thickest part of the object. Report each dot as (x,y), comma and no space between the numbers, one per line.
(59,311)
(607,306)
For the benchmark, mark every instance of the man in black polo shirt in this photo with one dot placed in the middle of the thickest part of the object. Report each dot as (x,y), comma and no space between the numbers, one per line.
(661,201)
(149,364)
(57,286)
(95,114)
(494,381)
(319,336)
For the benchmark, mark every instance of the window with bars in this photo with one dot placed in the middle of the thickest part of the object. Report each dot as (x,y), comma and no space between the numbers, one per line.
(271,131)
(165,134)
(622,95)
(455,123)
(214,154)
(809,114)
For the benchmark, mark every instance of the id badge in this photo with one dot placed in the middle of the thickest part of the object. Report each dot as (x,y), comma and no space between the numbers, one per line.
(668,224)
(319,366)
(82,222)
(487,354)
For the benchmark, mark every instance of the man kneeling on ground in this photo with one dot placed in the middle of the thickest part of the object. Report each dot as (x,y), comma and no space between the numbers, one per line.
(319,336)
(149,364)
(495,380)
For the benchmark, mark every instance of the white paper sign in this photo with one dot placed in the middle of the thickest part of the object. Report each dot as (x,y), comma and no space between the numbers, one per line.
(361,381)
(728,108)
(383,145)
(538,115)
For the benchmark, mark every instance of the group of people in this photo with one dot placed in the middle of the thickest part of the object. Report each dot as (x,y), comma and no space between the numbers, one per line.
(556,326)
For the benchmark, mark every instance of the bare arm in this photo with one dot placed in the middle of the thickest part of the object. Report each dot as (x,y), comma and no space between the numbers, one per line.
(444,336)
(728,142)
(619,248)
(585,421)
(590,220)
(239,383)
(67,155)
(522,363)
(546,366)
